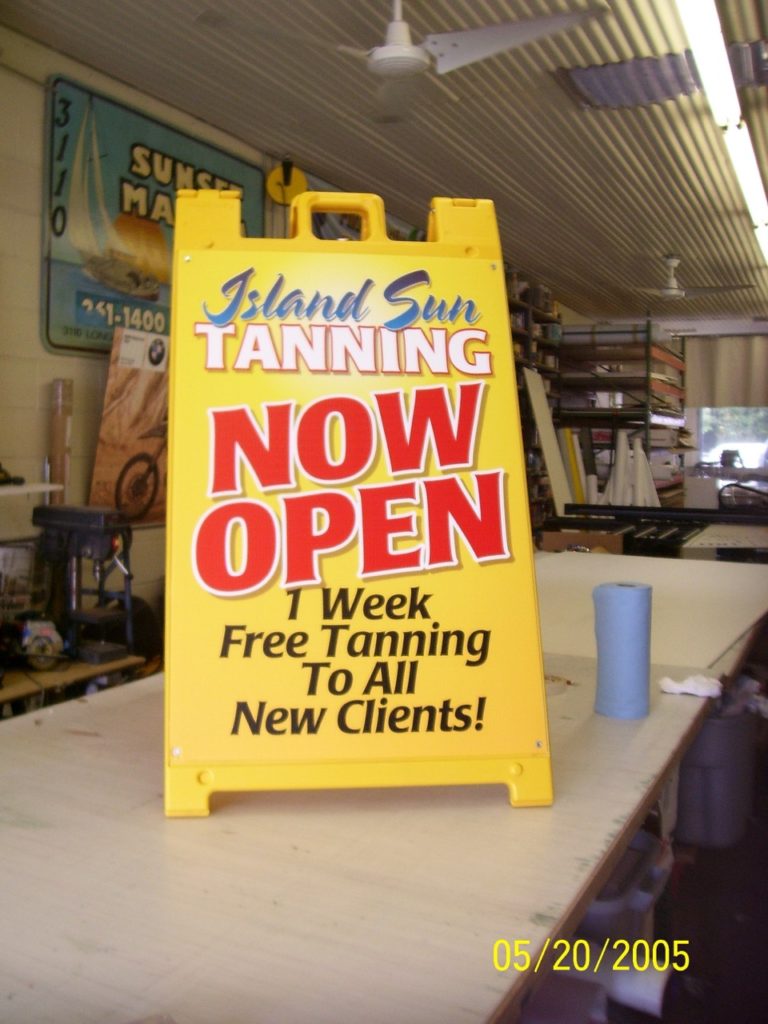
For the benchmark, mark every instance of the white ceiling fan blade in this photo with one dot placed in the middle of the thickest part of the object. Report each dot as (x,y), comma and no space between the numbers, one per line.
(352,51)
(674,290)
(695,293)
(453,50)
(692,293)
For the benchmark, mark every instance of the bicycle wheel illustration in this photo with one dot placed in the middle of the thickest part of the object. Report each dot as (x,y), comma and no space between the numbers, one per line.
(136,486)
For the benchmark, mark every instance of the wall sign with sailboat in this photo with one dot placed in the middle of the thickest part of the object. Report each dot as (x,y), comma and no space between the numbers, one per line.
(112,176)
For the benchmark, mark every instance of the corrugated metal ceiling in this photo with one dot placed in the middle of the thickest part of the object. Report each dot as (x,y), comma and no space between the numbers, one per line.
(588,199)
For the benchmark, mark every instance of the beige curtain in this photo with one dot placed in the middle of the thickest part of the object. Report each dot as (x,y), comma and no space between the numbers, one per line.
(722,372)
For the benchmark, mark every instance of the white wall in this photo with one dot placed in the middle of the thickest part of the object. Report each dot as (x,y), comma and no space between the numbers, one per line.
(27,369)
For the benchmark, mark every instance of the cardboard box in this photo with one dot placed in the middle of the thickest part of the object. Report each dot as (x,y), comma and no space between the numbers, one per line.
(574,540)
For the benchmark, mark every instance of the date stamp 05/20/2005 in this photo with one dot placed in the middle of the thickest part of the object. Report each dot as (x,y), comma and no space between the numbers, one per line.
(585,957)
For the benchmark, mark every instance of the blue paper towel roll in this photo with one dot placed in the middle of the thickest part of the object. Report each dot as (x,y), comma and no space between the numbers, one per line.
(623,634)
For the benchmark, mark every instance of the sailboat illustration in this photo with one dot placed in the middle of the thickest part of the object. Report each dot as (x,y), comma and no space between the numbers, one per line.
(107,254)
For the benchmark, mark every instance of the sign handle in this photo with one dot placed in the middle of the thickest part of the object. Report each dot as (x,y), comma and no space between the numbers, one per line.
(369,208)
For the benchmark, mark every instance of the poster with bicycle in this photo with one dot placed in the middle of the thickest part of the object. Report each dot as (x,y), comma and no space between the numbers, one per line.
(130,468)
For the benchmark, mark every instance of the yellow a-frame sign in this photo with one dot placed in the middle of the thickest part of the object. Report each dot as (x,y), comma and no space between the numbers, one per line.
(351,597)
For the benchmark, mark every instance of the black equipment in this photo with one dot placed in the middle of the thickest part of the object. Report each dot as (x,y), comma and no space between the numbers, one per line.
(72,533)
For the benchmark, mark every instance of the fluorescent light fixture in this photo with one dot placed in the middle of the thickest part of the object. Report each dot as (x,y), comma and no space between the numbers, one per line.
(761,232)
(739,146)
(702,26)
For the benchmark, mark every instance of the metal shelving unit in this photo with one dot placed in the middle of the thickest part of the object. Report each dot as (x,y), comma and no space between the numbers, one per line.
(536,335)
(623,378)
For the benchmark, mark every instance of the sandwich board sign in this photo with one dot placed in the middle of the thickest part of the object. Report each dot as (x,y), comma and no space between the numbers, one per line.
(351,597)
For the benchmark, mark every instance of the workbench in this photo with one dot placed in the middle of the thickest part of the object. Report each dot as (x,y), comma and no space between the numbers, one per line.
(302,907)
(21,683)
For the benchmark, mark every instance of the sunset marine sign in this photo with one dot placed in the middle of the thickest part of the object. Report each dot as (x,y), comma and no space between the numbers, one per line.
(351,597)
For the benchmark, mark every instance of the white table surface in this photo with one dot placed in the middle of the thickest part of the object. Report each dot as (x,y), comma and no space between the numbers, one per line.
(336,906)
(700,609)
(379,906)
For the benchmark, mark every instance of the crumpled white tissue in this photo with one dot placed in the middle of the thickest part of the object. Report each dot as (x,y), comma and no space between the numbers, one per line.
(699,686)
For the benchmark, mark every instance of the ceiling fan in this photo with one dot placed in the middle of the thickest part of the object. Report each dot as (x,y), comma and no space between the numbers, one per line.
(672,289)
(399,57)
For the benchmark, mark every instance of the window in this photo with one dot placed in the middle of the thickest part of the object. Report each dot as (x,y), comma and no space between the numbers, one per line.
(734,436)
